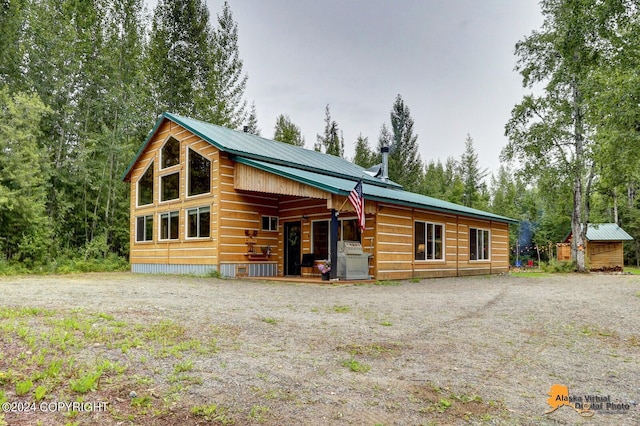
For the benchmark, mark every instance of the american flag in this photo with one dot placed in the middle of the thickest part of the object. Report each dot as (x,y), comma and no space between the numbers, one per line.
(357,200)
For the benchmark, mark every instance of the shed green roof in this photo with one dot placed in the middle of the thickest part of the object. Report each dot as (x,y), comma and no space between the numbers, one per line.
(607,232)
(327,172)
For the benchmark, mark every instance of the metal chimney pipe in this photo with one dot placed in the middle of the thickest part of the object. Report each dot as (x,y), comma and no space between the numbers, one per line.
(385,163)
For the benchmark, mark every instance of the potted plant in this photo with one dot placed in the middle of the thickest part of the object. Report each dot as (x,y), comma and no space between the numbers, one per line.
(325,269)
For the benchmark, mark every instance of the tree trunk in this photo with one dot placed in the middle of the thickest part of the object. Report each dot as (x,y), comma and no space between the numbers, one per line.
(578,228)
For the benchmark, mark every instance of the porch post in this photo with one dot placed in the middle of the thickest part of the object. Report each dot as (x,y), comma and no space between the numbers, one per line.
(333,248)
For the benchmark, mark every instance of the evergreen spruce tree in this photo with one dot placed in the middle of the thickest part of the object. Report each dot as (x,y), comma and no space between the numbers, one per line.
(332,141)
(252,121)
(363,157)
(222,101)
(405,166)
(472,176)
(286,131)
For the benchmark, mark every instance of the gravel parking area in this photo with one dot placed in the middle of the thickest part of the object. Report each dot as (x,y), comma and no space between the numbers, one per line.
(477,350)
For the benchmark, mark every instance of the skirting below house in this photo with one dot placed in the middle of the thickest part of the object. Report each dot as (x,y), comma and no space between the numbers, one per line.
(151,268)
(241,270)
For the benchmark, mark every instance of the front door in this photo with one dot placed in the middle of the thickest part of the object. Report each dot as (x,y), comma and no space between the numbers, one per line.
(292,240)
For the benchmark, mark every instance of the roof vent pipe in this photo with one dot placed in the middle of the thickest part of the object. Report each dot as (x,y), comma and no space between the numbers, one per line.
(385,163)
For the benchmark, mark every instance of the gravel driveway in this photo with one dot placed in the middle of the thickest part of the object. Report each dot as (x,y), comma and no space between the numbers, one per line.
(478,350)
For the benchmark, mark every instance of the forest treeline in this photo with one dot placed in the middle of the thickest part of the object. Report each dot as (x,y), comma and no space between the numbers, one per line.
(82,82)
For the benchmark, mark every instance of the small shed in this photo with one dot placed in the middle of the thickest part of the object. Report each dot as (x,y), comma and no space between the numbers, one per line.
(604,246)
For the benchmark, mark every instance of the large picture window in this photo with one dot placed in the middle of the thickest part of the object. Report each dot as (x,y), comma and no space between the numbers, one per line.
(170,187)
(348,230)
(170,153)
(479,244)
(145,187)
(199,174)
(429,243)
(169,225)
(198,222)
(144,228)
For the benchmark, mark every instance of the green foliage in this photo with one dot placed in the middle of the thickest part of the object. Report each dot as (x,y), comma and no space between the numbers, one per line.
(23,387)
(89,381)
(332,141)
(286,131)
(364,157)
(474,189)
(570,134)
(213,413)
(252,121)
(25,232)
(555,266)
(356,366)
(405,165)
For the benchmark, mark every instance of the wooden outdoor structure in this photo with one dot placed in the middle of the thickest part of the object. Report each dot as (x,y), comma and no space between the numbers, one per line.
(253,218)
(603,246)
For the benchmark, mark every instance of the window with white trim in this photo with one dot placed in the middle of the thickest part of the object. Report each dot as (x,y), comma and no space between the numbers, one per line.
(170,187)
(479,244)
(199,174)
(170,153)
(269,223)
(169,225)
(429,241)
(144,228)
(145,187)
(198,222)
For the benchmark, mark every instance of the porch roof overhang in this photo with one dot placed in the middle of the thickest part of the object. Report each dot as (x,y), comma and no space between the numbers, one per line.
(340,186)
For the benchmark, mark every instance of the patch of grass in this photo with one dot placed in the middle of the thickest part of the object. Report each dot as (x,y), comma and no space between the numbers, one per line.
(23,387)
(212,413)
(270,320)
(259,413)
(388,283)
(183,367)
(372,349)
(386,323)
(214,274)
(341,309)
(356,366)
(89,381)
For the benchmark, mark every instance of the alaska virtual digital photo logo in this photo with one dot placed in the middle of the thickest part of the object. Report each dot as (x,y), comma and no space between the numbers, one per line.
(585,405)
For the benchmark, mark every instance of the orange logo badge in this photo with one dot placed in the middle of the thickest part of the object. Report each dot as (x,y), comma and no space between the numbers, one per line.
(559,396)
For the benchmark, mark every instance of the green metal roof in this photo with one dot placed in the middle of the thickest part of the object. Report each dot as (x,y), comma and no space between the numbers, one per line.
(606,232)
(326,172)
(342,186)
(248,145)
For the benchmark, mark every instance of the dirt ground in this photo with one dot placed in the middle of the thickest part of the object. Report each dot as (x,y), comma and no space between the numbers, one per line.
(477,350)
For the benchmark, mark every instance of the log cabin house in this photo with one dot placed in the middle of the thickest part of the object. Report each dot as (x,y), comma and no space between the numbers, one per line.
(206,198)
(604,246)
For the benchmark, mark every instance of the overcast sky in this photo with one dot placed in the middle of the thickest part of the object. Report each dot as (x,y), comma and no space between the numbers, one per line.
(451,61)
